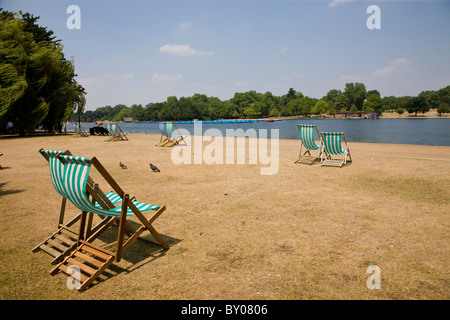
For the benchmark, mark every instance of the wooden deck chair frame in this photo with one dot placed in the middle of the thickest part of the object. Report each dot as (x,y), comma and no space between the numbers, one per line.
(63,240)
(167,129)
(332,144)
(307,142)
(80,132)
(120,135)
(78,168)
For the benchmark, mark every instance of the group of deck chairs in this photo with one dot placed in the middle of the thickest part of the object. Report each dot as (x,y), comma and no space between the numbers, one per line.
(114,131)
(329,151)
(73,249)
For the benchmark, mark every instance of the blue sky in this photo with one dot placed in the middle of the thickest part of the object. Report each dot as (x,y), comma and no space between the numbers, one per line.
(142,51)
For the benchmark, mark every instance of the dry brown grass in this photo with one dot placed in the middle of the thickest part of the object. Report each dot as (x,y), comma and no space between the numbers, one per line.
(307,232)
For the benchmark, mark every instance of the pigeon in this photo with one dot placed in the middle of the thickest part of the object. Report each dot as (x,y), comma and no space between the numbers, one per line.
(154,168)
(122,165)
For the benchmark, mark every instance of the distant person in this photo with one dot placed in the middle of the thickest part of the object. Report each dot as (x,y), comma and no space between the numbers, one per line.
(9,126)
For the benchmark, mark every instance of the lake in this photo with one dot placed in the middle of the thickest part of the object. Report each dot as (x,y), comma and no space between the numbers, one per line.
(421,131)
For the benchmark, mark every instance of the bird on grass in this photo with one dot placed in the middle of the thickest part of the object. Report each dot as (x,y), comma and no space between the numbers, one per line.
(154,168)
(122,165)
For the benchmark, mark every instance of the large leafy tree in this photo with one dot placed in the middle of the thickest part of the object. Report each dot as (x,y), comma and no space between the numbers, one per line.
(356,94)
(37,85)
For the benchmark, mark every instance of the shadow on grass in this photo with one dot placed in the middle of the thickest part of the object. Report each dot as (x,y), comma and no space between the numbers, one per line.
(6,192)
(140,253)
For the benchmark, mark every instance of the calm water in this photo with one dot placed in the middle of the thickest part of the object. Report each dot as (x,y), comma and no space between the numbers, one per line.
(434,132)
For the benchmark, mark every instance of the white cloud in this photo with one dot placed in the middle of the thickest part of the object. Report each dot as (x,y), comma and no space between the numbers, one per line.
(396,66)
(126,76)
(184,26)
(282,50)
(335,3)
(158,78)
(183,50)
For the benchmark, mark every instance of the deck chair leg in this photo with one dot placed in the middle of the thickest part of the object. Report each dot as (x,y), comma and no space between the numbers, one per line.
(122,228)
(148,226)
(62,212)
(82,226)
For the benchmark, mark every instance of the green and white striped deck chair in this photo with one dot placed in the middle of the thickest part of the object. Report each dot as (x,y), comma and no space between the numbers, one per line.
(75,185)
(307,142)
(61,242)
(170,135)
(112,135)
(332,142)
(80,132)
(119,134)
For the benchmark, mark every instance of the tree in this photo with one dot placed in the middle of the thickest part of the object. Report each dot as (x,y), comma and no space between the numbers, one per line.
(373,102)
(342,103)
(356,94)
(417,104)
(37,85)
(123,113)
(443,108)
(320,107)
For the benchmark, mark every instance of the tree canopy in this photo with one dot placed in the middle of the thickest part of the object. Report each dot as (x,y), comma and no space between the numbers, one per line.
(37,85)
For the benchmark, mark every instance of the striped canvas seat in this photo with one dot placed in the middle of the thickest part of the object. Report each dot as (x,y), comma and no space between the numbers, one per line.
(332,142)
(168,138)
(73,184)
(56,169)
(308,143)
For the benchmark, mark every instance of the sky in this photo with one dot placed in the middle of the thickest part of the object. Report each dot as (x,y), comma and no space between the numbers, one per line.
(143,51)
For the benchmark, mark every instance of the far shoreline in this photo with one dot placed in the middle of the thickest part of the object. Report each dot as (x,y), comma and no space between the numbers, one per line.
(377,145)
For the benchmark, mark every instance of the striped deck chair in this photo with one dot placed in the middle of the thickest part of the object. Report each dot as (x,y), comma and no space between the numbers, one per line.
(112,135)
(172,135)
(119,134)
(61,242)
(332,142)
(164,135)
(80,132)
(75,185)
(307,142)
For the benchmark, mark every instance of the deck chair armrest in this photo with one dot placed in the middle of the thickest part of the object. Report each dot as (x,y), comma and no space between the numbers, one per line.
(114,185)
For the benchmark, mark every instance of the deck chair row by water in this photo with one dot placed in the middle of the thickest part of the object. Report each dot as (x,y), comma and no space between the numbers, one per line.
(328,151)
(71,179)
(170,135)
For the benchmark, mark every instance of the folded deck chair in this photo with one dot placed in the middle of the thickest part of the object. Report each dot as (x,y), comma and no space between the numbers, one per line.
(332,143)
(307,142)
(170,135)
(63,240)
(75,185)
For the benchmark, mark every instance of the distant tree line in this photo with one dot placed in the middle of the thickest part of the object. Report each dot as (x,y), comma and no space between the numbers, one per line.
(252,104)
